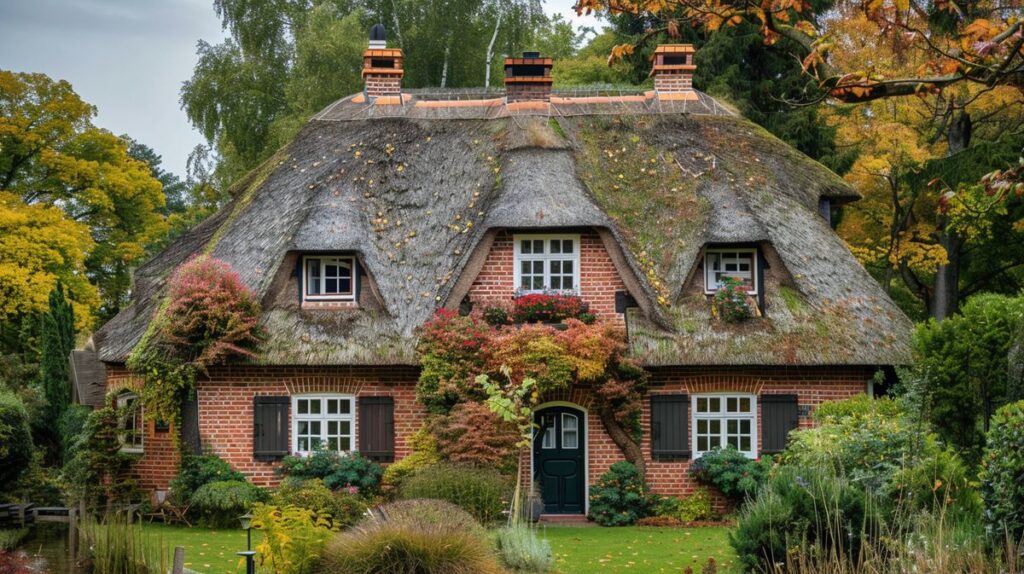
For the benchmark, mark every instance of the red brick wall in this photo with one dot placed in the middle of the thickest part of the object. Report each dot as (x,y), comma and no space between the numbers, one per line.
(599,279)
(225,410)
(159,463)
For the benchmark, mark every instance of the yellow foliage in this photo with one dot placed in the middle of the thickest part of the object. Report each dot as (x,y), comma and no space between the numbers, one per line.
(39,244)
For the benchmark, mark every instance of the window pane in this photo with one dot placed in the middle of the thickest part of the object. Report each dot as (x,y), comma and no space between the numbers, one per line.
(525,246)
(556,283)
(714,405)
(702,427)
(332,427)
(538,267)
(303,444)
(346,406)
(569,439)
(731,404)
(745,405)
(714,441)
(314,407)
(567,283)
(734,442)
(567,246)
(715,425)
(303,427)
(702,405)
(556,266)
(567,266)
(346,427)
(548,440)
(332,443)
(332,406)
(538,283)
(745,444)
(303,406)
(330,286)
(525,268)
(538,246)
(702,443)
(556,246)
(732,426)
(344,285)
(314,427)
(345,444)
(745,427)
(569,422)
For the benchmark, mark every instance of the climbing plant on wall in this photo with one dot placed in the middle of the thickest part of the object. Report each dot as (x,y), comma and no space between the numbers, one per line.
(455,350)
(209,316)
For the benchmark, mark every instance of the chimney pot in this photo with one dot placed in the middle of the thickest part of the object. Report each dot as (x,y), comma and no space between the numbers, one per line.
(673,72)
(382,66)
(528,78)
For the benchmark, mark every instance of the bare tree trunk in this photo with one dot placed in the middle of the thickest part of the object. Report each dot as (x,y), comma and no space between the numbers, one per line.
(398,29)
(629,447)
(490,51)
(946,294)
(444,70)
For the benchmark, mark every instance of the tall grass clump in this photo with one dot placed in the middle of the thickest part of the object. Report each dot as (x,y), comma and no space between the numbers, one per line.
(482,492)
(117,547)
(9,539)
(412,537)
(521,549)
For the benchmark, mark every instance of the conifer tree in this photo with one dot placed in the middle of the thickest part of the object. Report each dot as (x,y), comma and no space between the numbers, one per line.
(58,342)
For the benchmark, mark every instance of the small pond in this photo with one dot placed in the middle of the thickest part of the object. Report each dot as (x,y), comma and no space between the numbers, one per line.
(44,550)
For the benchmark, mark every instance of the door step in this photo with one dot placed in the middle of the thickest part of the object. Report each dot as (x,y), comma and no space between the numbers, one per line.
(565,520)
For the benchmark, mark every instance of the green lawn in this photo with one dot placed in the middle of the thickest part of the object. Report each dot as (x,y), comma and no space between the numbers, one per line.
(577,550)
(638,549)
(207,551)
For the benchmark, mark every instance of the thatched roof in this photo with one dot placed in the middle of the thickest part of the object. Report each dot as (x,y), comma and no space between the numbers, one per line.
(417,190)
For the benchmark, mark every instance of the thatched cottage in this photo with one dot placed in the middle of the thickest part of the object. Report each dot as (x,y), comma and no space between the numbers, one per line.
(391,204)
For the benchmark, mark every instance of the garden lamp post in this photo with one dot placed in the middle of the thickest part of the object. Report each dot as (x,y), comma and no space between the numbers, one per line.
(250,564)
(246,520)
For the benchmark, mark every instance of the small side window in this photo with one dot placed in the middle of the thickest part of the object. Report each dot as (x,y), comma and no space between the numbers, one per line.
(130,428)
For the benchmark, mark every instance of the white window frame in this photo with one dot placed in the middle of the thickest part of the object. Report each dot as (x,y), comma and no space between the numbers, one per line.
(547,257)
(324,418)
(138,443)
(350,260)
(711,285)
(724,416)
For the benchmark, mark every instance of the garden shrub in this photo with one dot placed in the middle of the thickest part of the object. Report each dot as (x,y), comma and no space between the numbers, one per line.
(858,405)
(691,508)
(731,472)
(521,549)
(481,491)
(410,541)
(336,470)
(424,454)
(293,538)
(70,426)
(939,483)
(473,434)
(801,508)
(197,470)
(428,511)
(449,349)
(15,439)
(1002,475)
(98,472)
(219,504)
(620,497)
(339,508)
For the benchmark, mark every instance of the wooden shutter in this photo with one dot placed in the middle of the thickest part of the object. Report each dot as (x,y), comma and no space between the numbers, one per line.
(270,429)
(779,415)
(377,428)
(670,426)
(190,423)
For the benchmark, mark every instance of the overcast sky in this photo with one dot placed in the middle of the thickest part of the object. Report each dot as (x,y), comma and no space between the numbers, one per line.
(128,58)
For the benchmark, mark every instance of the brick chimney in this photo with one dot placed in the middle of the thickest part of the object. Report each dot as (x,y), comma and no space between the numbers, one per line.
(673,72)
(382,66)
(528,78)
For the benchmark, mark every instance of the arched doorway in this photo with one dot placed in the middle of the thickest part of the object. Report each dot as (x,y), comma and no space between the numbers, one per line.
(559,458)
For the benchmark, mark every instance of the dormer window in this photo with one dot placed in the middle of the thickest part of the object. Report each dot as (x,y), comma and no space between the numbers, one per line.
(547,263)
(737,263)
(329,277)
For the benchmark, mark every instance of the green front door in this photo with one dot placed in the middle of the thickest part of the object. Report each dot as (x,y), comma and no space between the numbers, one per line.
(558,459)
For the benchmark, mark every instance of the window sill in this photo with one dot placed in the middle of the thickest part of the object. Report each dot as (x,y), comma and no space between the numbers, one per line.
(328,304)
(131,451)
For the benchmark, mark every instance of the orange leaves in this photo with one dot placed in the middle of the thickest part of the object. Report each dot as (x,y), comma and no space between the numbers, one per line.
(807,28)
(619,52)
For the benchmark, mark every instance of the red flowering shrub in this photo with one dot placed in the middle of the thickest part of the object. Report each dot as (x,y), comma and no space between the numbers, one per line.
(211,315)
(549,308)
(471,433)
(451,355)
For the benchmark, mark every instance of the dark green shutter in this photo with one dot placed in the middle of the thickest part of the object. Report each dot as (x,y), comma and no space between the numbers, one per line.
(270,429)
(670,426)
(377,428)
(190,424)
(779,415)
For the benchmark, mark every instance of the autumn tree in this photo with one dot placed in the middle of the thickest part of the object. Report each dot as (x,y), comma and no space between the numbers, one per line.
(52,156)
